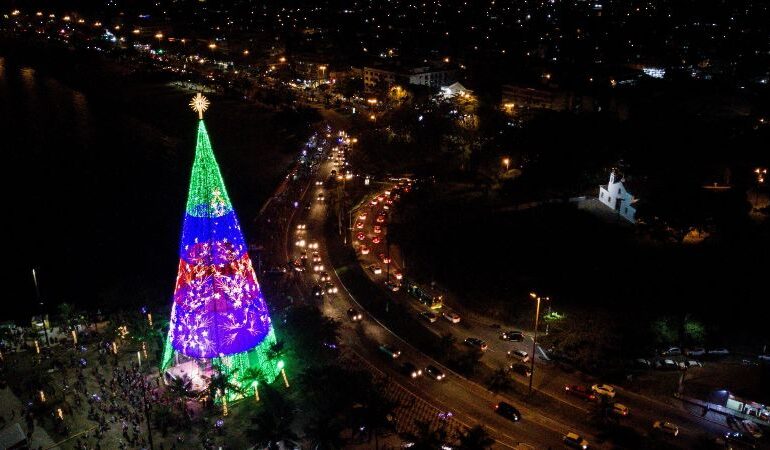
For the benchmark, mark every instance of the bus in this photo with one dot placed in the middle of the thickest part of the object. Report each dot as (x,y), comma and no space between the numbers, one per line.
(427,299)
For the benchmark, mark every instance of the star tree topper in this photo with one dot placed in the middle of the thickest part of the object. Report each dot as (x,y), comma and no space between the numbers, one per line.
(200,104)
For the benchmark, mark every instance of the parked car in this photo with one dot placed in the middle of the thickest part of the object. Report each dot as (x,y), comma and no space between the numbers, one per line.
(451,316)
(689,363)
(604,389)
(476,343)
(390,351)
(737,440)
(620,409)
(513,335)
(575,441)
(508,411)
(521,369)
(698,351)
(719,351)
(521,355)
(435,373)
(671,351)
(751,428)
(666,364)
(641,363)
(580,391)
(411,370)
(764,357)
(429,316)
(354,315)
(666,427)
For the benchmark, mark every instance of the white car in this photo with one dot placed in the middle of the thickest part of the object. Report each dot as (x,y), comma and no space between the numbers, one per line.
(521,355)
(700,351)
(671,351)
(604,389)
(451,316)
(666,427)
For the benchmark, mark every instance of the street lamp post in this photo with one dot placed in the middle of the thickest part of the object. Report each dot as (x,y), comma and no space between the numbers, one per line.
(42,307)
(534,337)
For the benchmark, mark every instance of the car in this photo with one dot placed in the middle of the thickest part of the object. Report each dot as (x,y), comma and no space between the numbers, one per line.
(521,355)
(390,351)
(476,343)
(603,389)
(319,183)
(300,243)
(375,269)
(689,364)
(384,258)
(665,427)
(698,351)
(317,291)
(354,315)
(364,250)
(398,275)
(316,257)
(513,335)
(430,316)
(435,373)
(392,286)
(666,364)
(376,240)
(508,411)
(641,363)
(575,441)
(580,391)
(359,225)
(411,370)
(373,202)
(360,236)
(737,440)
(451,316)
(377,229)
(719,351)
(325,276)
(751,428)
(362,216)
(321,197)
(671,351)
(301,227)
(313,245)
(318,267)
(380,218)
(764,357)
(380,198)
(619,409)
(330,288)
(298,265)
(521,369)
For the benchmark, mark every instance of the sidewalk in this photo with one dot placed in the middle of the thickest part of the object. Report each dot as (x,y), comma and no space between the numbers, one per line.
(10,411)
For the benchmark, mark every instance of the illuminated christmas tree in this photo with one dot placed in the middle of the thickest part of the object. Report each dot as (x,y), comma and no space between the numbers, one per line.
(219,318)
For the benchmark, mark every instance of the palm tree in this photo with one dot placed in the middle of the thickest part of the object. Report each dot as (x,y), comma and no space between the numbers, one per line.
(378,413)
(476,438)
(220,385)
(253,376)
(499,380)
(181,389)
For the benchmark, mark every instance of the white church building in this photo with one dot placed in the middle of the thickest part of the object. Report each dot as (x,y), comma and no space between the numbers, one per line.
(615,196)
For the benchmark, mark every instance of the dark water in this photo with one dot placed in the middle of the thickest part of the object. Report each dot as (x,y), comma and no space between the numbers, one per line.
(95,180)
